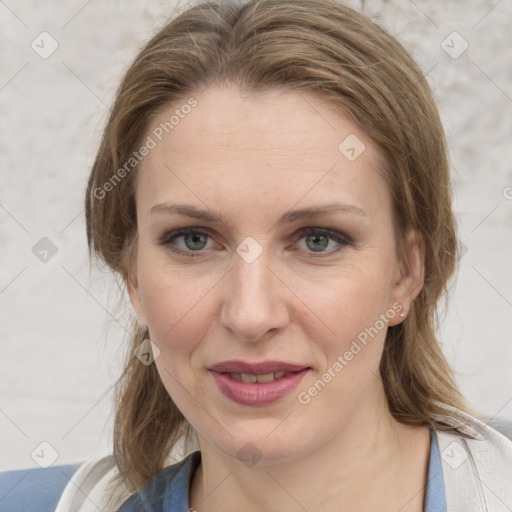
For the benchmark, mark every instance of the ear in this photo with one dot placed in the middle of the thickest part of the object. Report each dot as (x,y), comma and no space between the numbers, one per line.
(134,292)
(410,275)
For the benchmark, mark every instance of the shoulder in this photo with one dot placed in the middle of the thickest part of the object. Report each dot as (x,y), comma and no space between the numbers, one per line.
(91,487)
(34,489)
(477,466)
(169,490)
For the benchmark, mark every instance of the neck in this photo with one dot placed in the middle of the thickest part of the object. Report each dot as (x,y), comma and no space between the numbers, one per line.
(356,469)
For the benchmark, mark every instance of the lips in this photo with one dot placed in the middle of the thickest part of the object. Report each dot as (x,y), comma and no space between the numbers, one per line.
(257,384)
(261,378)
(257,389)
(266,367)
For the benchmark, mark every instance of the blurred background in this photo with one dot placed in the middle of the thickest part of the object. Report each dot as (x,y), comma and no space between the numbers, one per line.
(62,322)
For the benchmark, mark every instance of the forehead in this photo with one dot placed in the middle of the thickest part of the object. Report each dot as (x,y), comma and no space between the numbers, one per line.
(278,147)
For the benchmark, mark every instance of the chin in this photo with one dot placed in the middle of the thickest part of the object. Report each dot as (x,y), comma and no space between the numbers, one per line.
(263,448)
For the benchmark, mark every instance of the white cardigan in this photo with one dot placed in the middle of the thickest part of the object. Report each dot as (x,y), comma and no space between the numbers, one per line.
(477,473)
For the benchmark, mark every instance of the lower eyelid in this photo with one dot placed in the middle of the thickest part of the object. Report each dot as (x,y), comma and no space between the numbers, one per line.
(168,240)
(343,240)
(337,237)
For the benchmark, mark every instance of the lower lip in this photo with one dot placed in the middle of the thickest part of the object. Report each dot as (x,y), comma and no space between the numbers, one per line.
(257,393)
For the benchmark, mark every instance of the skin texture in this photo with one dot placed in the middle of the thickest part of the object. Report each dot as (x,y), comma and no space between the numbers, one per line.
(252,158)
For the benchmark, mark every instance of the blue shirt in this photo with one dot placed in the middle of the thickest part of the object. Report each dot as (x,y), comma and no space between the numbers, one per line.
(169,490)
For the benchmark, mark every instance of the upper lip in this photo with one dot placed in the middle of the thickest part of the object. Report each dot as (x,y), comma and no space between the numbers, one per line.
(256,368)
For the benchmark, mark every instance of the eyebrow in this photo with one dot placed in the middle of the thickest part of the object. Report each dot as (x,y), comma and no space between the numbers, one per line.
(186,210)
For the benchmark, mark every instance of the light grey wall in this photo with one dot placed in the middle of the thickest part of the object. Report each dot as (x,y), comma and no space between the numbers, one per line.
(61,336)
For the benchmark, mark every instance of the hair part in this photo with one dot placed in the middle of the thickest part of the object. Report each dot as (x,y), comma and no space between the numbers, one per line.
(314,46)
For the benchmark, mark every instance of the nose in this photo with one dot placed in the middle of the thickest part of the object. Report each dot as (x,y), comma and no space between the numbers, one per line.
(254,300)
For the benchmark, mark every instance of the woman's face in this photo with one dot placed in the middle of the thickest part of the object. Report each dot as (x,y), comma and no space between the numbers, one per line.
(261,277)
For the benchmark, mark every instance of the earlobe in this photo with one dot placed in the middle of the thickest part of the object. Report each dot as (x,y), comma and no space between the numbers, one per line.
(132,287)
(414,268)
(412,272)
(131,279)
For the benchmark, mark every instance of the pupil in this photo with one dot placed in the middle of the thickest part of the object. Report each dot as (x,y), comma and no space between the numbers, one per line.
(198,241)
(323,245)
(196,238)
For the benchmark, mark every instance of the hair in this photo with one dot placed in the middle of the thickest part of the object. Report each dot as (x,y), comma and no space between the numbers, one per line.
(315,46)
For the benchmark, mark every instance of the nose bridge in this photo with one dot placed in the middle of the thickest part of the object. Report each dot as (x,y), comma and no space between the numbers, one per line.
(253,302)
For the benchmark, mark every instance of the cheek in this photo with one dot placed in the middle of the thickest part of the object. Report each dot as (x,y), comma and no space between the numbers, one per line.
(347,301)
(169,306)
(178,318)
(347,317)
(176,303)
(349,332)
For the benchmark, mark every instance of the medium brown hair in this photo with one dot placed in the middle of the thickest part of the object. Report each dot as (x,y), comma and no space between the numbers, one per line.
(315,46)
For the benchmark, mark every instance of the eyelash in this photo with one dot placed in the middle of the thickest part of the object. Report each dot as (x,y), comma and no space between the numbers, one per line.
(343,240)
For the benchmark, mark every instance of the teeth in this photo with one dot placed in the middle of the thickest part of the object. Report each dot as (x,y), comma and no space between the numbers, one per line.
(267,377)
(248,378)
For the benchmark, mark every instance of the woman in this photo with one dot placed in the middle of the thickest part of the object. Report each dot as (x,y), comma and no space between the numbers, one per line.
(273,188)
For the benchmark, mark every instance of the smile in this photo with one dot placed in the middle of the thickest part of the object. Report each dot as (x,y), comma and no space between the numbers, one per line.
(257,389)
(266,377)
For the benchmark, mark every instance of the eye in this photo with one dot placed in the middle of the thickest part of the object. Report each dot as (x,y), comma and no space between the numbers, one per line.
(318,240)
(193,242)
